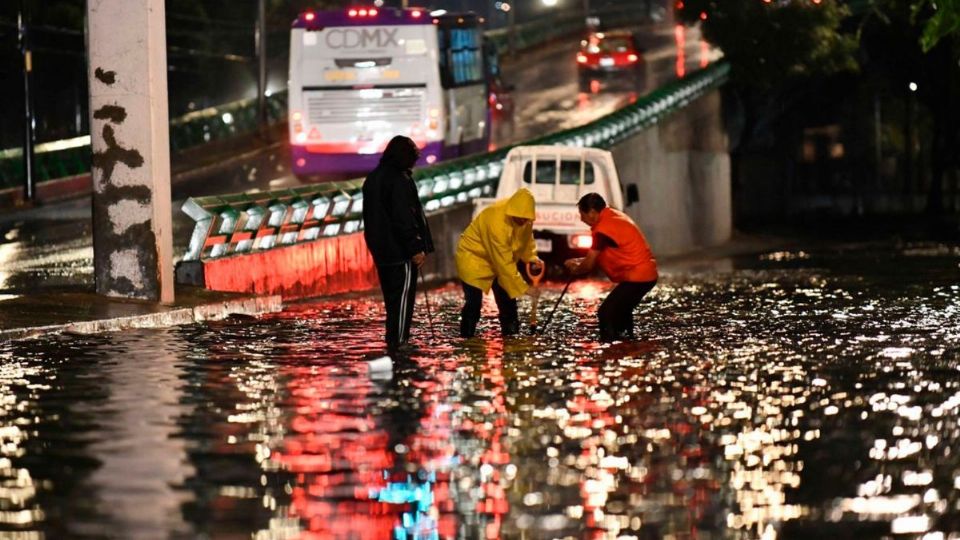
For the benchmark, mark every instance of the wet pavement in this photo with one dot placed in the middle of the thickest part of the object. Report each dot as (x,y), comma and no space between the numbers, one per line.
(804,393)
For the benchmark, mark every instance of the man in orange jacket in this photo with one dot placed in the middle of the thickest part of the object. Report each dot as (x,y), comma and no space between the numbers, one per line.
(621,251)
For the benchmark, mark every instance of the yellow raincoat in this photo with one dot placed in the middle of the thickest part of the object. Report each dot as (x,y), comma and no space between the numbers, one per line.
(492,244)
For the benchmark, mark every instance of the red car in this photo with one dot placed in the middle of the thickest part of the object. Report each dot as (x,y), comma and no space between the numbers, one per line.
(608,52)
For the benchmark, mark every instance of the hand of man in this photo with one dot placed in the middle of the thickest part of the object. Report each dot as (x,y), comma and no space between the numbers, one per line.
(533,292)
(572,264)
(419,259)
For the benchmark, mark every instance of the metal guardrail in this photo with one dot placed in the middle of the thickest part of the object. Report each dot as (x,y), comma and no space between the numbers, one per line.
(243,223)
(59,160)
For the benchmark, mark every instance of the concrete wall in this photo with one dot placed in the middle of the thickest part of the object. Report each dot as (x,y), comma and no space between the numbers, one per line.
(446,227)
(681,170)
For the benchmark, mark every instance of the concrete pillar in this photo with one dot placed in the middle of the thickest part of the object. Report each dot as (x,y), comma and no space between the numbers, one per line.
(132,229)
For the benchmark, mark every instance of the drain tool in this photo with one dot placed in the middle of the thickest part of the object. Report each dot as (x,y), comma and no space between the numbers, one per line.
(535,279)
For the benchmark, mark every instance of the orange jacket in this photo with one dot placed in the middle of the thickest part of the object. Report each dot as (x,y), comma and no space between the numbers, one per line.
(631,259)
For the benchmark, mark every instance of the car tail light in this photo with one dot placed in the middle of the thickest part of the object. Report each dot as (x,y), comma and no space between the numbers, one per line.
(362,13)
(372,12)
(309,16)
(416,14)
(352,13)
(632,58)
(581,241)
(581,59)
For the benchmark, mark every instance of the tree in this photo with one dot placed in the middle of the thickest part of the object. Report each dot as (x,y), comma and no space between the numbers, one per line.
(773,48)
(768,43)
(941,20)
(917,42)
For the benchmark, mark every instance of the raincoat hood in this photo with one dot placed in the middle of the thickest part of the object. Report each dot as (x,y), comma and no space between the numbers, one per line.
(521,205)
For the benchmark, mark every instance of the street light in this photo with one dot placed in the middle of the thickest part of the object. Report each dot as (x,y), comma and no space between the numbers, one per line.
(549,3)
(511,22)
(23,32)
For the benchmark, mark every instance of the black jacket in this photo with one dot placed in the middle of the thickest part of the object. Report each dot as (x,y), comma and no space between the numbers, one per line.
(394,224)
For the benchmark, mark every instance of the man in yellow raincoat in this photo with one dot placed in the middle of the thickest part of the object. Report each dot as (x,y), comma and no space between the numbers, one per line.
(487,256)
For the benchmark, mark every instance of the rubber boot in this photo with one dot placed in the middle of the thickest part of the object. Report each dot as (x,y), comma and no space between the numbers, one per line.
(468,327)
(510,328)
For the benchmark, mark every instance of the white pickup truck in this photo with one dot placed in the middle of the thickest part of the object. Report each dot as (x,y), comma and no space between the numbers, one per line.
(558,176)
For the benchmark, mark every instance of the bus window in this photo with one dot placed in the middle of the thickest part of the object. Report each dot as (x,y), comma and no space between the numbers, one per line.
(569,172)
(492,58)
(461,63)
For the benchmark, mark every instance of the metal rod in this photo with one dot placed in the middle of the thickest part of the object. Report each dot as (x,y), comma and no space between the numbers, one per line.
(426,299)
(555,306)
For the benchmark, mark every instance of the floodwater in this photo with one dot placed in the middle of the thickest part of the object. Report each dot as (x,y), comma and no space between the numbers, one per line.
(794,394)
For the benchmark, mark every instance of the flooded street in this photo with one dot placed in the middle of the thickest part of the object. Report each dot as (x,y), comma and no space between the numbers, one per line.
(794,394)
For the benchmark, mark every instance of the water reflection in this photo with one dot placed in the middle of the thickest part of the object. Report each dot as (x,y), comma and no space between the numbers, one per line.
(795,394)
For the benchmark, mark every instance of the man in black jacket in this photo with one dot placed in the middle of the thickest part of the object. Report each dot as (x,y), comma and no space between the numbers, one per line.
(397,233)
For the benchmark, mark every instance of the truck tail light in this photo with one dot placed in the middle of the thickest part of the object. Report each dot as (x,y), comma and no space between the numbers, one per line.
(632,58)
(581,241)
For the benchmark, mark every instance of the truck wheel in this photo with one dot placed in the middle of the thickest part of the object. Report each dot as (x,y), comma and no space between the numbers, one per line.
(584,82)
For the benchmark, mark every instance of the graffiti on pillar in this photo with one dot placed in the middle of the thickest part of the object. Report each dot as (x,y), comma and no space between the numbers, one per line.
(108,159)
(122,214)
(113,113)
(106,77)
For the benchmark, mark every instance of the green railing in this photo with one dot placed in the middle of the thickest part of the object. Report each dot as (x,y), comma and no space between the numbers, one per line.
(68,158)
(242,223)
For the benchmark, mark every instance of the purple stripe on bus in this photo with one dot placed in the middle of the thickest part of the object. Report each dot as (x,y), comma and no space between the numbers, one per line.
(346,163)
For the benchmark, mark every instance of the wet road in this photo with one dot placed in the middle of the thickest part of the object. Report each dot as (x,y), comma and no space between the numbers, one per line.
(51,247)
(796,394)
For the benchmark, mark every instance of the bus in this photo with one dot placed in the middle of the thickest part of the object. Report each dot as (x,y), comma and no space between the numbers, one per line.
(360,76)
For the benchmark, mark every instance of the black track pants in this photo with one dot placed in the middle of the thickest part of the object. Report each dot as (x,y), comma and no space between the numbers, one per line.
(616,311)
(473,300)
(399,285)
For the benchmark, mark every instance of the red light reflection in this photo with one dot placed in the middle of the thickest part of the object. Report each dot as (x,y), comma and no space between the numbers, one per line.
(680,33)
(344,453)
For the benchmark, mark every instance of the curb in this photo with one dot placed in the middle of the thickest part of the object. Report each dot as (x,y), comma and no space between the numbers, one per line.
(253,306)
